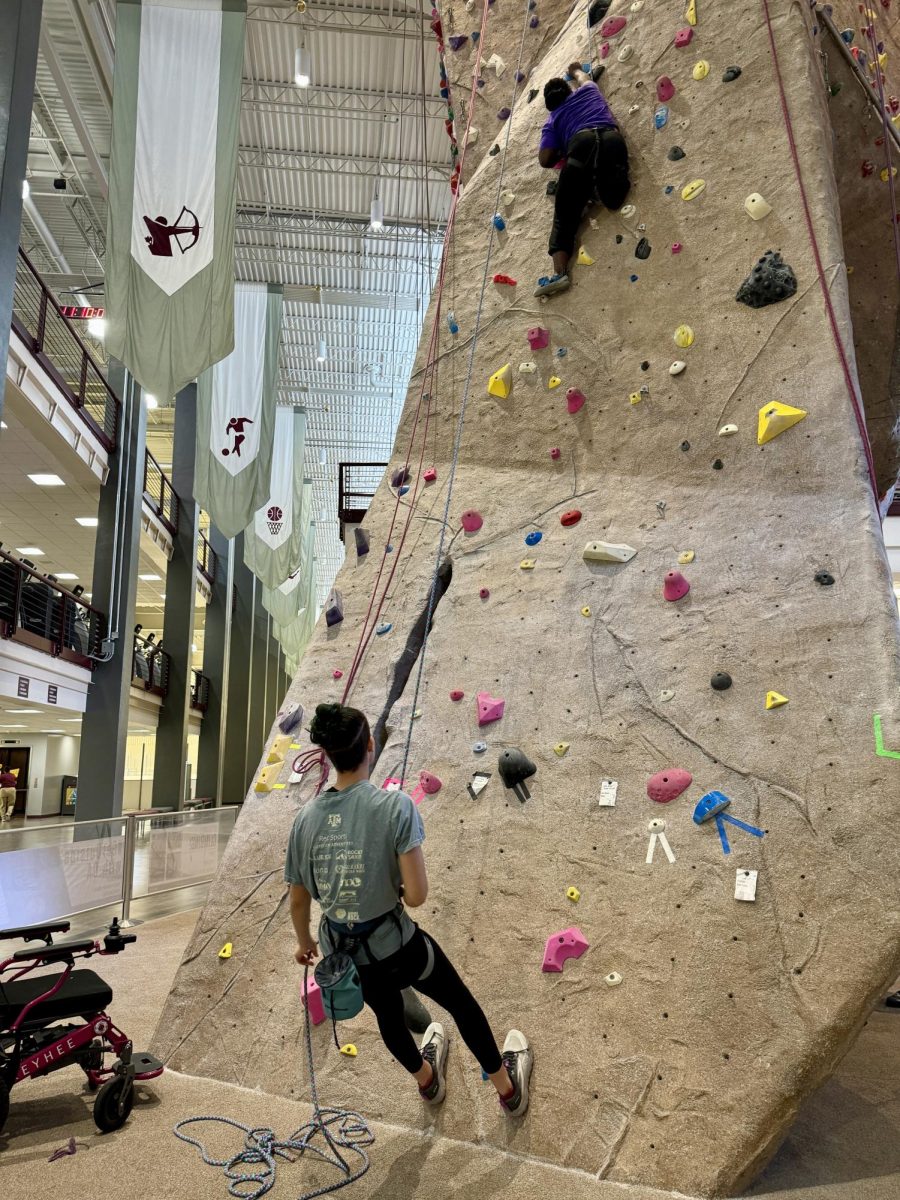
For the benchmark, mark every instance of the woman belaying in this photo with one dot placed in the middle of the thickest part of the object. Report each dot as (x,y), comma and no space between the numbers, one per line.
(357,850)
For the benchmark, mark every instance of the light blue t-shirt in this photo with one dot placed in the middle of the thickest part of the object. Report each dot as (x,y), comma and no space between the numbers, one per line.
(343,849)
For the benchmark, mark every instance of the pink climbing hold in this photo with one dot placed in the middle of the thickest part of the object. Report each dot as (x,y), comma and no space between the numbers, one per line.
(665,89)
(677,247)
(472,521)
(489,708)
(456,694)
(555,453)
(575,399)
(675,586)
(604,50)
(538,338)
(430,475)
(683,37)
(666,785)
(429,783)
(568,943)
(483,593)
(311,995)
(337,674)
(612,26)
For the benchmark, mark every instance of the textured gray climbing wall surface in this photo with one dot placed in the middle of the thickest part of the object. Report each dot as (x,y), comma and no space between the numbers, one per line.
(685,1074)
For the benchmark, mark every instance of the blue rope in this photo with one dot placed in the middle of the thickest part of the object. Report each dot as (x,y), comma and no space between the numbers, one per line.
(341,1129)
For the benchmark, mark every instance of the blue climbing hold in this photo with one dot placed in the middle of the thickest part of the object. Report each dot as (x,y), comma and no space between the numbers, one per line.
(480,747)
(475,35)
(848,35)
(452,323)
(532,539)
(383,628)
(710,806)
(498,223)
(389,549)
(633,279)
(561,351)
(669,190)
(661,116)
(403,490)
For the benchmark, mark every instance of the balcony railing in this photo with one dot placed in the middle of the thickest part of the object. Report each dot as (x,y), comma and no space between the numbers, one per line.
(357,482)
(206,559)
(159,494)
(199,691)
(150,666)
(36,611)
(61,352)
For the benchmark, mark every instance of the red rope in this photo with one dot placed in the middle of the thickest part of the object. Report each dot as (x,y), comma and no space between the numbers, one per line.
(886,137)
(848,374)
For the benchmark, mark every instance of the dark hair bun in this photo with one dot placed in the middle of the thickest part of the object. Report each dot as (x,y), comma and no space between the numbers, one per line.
(328,721)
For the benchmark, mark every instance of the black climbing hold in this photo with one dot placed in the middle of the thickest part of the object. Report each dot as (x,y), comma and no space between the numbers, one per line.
(291,720)
(718,465)
(551,187)
(642,249)
(532,94)
(824,579)
(515,767)
(334,608)
(685,445)
(494,150)
(721,681)
(618,239)
(731,74)
(676,153)
(645,366)
(770,281)
(597,73)
(362,541)
(598,11)
(399,477)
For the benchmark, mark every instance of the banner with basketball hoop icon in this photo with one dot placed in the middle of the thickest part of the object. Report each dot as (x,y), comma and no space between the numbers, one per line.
(173,167)
(236,413)
(273,540)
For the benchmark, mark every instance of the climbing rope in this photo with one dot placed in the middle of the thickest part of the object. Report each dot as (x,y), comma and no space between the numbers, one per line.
(823,280)
(886,134)
(341,1129)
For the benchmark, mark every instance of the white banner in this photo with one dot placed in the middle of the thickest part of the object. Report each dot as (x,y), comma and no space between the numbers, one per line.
(237,384)
(274,522)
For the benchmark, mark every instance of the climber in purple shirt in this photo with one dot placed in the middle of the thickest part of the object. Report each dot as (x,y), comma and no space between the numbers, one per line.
(581,130)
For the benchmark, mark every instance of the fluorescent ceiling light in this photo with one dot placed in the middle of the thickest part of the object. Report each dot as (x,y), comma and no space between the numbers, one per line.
(88,522)
(322,352)
(3,425)
(20,712)
(302,67)
(376,220)
(193,647)
(6,727)
(150,578)
(54,731)
(47,480)
(65,575)
(26,189)
(97,327)
(31,551)
(150,400)
(70,720)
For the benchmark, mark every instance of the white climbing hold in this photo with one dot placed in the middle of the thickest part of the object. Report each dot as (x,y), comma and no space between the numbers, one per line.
(506,198)
(625,53)
(613,979)
(666,695)
(627,211)
(498,64)
(756,206)
(728,430)
(527,368)
(677,367)
(472,136)
(608,552)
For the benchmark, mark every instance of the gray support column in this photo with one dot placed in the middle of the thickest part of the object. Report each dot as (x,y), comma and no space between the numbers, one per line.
(215,667)
(101,770)
(273,677)
(259,656)
(234,750)
(20,27)
(169,762)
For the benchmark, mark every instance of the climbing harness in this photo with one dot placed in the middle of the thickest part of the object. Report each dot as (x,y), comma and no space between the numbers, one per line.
(341,1129)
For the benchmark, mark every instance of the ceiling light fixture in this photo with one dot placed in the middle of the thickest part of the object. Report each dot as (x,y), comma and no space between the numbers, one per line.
(47,480)
(31,551)
(150,578)
(302,67)
(150,400)
(97,327)
(322,352)
(26,189)
(376,220)
(65,575)
(20,712)
(323,456)
(88,522)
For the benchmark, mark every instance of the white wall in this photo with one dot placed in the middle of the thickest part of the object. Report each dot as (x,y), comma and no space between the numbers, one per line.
(62,759)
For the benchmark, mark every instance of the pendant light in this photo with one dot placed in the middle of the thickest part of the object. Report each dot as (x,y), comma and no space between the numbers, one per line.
(376,221)
(302,67)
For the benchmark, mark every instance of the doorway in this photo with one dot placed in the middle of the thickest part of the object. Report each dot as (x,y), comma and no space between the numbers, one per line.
(17,759)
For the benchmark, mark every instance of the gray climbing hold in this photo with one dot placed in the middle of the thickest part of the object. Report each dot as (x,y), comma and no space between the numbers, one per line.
(515,767)
(334,608)
(552,186)
(383,628)
(642,249)
(494,150)
(619,239)
(479,747)
(731,73)
(685,445)
(721,681)
(362,541)
(531,95)
(676,154)
(718,465)
(823,578)
(399,477)
(666,695)
(770,281)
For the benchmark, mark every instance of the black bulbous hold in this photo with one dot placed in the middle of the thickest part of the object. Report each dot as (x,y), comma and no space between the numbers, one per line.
(721,681)
(824,579)
(515,767)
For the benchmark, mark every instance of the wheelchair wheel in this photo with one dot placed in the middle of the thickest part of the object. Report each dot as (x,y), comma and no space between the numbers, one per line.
(4,1104)
(106,1106)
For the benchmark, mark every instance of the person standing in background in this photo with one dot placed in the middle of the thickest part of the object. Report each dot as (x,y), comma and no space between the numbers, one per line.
(8,783)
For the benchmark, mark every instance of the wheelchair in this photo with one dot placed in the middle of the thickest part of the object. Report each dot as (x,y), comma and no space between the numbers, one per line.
(59,1019)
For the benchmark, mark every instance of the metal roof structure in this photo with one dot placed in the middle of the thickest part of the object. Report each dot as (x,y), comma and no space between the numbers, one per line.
(310,161)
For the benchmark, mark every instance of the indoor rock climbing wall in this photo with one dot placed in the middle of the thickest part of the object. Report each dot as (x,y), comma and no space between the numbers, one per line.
(676,1049)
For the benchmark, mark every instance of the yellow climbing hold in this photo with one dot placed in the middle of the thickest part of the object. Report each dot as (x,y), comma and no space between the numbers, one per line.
(634,398)
(775,418)
(701,69)
(500,383)
(527,564)
(279,749)
(775,700)
(884,174)
(560,749)
(268,776)
(586,611)
(553,382)
(584,259)
(692,189)
(690,13)
(684,336)
(349,1050)
(573,894)
(686,556)
(225,952)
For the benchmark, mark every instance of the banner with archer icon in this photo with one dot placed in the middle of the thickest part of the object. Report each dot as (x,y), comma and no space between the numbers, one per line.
(173,164)
(236,413)
(273,540)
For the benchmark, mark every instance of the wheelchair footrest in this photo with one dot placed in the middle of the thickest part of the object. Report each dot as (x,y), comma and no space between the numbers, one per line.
(145,1065)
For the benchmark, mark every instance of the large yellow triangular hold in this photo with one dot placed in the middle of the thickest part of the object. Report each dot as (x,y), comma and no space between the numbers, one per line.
(775,418)
(279,748)
(775,700)
(690,14)
(500,383)
(225,952)
(584,259)
(268,776)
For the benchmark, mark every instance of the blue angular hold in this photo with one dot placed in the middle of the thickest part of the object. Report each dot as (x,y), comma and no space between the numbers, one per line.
(479,747)
(709,806)
(403,490)
(475,35)
(661,116)
(633,278)
(848,35)
(383,628)
(498,223)
(669,190)
(532,539)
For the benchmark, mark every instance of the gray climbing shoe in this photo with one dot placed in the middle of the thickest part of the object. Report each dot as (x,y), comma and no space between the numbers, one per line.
(415,1013)
(549,285)
(518,1058)
(434,1051)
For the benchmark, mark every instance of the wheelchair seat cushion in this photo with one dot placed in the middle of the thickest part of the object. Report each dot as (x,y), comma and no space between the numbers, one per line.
(84,994)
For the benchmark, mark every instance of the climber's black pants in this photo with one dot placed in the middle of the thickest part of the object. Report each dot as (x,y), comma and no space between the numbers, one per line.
(382,983)
(596,166)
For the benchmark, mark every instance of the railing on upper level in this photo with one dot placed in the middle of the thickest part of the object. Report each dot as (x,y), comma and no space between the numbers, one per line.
(159,494)
(150,666)
(357,482)
(199,691)
(61,352)
(37,611)
(206,559)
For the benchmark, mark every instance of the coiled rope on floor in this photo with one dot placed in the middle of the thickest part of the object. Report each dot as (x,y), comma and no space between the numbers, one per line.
(341,1129)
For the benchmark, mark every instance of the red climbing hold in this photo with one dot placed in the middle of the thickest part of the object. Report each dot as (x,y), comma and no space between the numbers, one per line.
(604,50)
(676,247)
(505,279)
(568,943)
(456,694)
(867,168)
(490,708)
(665,89)
(575,399)
(666,785)
(429,783)
(675,586)
(538,338)
(483,593)
(612,26)
(572,517)
(472,521)
(337,674)
(683,37)
(430,475)
(555,453)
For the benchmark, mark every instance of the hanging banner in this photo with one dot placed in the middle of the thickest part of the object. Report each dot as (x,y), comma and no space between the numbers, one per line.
(236,413)
(173,167)
(273,540)
(287,601)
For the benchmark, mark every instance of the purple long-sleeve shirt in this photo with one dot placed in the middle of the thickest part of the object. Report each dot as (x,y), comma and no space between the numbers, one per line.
(586,108)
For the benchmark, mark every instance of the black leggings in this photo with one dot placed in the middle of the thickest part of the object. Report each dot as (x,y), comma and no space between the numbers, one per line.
(596,164)
(383,981)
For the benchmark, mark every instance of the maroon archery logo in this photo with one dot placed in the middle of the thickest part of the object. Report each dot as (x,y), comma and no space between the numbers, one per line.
(161,235)
(236,427)
(274,519)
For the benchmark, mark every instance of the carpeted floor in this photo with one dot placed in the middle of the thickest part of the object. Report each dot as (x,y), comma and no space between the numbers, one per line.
(845,1146)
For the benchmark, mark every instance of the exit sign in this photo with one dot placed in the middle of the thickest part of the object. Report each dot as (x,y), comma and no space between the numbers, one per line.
(80,312)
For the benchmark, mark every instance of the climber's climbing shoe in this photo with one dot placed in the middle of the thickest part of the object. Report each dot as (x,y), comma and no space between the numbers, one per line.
(549,285)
